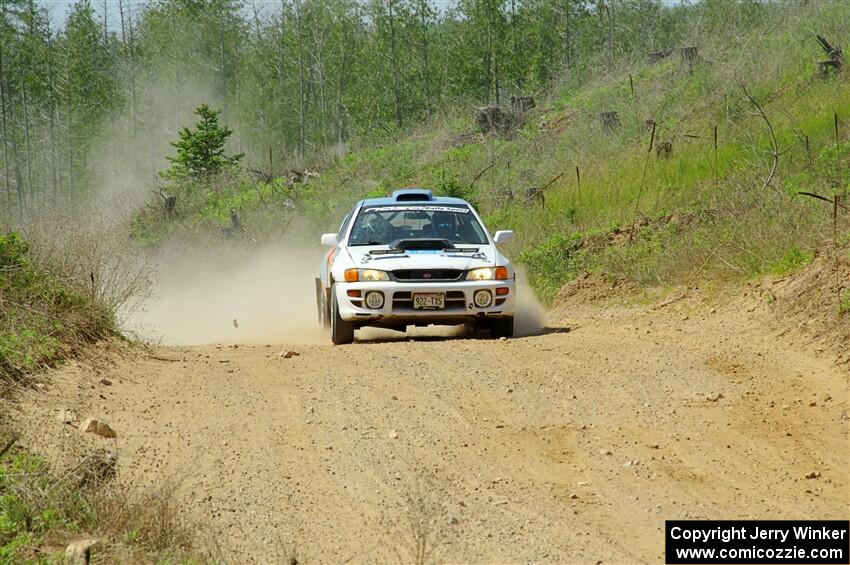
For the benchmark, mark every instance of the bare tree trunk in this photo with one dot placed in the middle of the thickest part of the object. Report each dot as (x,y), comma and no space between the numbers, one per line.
(19,180)
(301,78)
(492,60)
(130,56)
(609,10)
(423,14)
(70,134)
(281,50)
(27,143)
(394,53)
(488,61)
(5,131)
(51,85)
(222,64)
(121,17)
(341,86)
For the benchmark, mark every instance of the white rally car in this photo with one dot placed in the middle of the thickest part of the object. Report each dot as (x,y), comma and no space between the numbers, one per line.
(414,259)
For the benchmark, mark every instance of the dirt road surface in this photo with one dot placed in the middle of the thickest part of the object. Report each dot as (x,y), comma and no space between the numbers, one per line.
(572,446)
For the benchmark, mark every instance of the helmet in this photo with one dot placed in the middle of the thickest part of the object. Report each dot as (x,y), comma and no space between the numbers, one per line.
(444,224)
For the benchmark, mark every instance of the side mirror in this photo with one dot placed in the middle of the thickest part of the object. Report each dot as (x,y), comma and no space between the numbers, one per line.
(503,236)
(329,239)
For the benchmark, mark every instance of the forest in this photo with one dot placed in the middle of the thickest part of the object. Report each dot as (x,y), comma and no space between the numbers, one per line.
(96,100)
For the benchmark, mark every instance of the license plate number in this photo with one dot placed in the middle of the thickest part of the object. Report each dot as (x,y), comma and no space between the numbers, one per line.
(429,301)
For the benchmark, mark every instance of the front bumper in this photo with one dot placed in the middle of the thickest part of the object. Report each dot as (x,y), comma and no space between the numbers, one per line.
(398,303)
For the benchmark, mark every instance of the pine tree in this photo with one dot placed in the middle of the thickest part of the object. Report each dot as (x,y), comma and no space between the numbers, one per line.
(200,151)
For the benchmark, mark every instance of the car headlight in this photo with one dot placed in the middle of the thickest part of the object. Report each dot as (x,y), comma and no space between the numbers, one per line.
(488,274)
(365,275)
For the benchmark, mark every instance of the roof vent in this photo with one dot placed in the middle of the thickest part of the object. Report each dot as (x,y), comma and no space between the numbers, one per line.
(413,195)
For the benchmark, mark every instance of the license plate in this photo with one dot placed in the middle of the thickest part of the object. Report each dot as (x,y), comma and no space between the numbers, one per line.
(429,300)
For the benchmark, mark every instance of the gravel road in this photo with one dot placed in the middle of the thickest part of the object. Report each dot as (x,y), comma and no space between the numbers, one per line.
(572,446)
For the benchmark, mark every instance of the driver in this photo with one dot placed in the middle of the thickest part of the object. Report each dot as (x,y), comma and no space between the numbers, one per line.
(444,225)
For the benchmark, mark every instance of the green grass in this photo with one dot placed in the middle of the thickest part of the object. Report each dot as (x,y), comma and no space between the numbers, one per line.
(709,215)
(41,509)
(844,302)
(44,319)
(793,259)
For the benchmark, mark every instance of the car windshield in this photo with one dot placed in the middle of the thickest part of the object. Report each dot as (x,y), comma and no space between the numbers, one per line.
(380,225)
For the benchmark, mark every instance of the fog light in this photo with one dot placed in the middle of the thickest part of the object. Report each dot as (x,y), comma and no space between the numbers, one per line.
(374,300)
(482,298)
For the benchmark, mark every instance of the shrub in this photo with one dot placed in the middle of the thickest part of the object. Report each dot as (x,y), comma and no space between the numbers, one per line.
(553,263)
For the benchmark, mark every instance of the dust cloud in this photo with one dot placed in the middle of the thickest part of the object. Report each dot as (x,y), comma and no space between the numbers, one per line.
(228,295)
(261,296)
(531,317)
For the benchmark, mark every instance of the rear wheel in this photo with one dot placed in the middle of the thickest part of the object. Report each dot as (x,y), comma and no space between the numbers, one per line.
(502,327)
(342,332)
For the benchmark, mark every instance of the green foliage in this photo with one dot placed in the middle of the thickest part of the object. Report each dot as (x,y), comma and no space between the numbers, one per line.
(13,251)
(793,260)
(553,263)
(43,318)
(844,302)
(39,506)
(200,151)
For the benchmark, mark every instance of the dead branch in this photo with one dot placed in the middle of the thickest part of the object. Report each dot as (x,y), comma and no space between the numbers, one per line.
(28,308)
(551,182)
(480,174)
(775,151)
(9,444)
(824,198)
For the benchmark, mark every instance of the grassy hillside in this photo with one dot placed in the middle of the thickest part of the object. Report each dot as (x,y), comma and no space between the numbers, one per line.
(58,296)
(697,214)
(45,316)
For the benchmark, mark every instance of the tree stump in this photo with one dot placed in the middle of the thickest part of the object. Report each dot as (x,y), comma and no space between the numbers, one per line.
(610,121)
(835,62)
(829,68)
(169,203)
(489,118)
(504,195)
(690,56)
(522,103)
(658,56)
(534,195)
(664,149)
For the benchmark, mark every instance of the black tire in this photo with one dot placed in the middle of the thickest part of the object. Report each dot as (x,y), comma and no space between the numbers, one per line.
(326,319)
(322,305)
(342,332)
(502,327)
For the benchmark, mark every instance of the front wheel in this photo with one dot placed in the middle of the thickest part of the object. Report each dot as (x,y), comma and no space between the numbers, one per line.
(502,327)
(342,332)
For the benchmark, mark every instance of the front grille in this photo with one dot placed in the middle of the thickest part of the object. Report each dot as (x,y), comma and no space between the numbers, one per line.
(427,275)
(404,300)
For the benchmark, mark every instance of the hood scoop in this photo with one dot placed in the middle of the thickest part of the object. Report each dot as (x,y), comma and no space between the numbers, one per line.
(422,244)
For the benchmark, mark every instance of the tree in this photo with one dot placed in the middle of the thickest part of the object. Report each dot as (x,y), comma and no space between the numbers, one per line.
(200,151)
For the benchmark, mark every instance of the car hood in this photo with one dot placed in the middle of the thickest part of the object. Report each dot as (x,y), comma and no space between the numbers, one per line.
(422,259)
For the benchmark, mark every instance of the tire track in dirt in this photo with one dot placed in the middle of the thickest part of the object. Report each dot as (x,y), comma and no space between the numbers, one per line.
(572,446)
